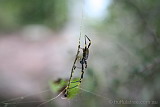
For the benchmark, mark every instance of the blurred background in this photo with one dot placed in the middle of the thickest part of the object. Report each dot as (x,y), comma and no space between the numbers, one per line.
(38,44)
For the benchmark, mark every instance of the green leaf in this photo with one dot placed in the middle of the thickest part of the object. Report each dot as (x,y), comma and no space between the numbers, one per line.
(73,91)
(59,85)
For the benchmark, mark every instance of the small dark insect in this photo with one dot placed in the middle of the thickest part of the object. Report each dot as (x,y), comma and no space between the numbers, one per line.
(83,61)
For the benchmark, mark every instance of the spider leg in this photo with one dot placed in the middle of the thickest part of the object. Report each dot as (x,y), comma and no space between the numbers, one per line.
(72,70)
(89,41)
(81,74)
(85,63)
(82,62)
(76,67)
(79,42)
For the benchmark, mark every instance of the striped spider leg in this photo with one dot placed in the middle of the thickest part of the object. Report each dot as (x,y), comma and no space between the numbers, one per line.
(72,70)
(85,57)
(83,61)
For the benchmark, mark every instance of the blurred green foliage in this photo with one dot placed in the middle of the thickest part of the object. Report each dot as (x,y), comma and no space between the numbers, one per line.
(17,13)
(133,26)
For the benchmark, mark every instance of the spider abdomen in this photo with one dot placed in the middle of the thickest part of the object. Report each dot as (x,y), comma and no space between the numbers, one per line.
(85,53)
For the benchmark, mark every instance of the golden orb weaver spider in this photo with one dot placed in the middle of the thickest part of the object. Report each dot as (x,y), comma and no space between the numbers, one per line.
(83,61)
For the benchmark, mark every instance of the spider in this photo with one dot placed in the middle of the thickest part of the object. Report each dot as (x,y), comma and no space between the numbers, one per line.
(83,61)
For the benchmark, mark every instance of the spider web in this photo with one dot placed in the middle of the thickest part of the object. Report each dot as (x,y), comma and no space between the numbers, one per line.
(18,101)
